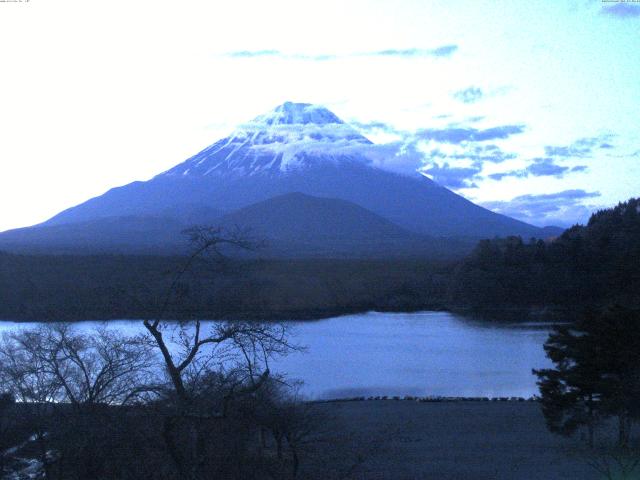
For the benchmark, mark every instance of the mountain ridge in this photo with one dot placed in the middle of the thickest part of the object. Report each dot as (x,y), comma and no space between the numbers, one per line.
(300,148)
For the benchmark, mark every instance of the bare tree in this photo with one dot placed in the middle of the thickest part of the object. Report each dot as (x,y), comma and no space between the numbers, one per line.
(209,365)
(26,377)
(295,426)
(56,363)
(53,367)
(184,396)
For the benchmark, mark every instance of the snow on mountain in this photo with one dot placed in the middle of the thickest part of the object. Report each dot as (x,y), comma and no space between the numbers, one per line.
(287,138)
(297,147)
(290,113)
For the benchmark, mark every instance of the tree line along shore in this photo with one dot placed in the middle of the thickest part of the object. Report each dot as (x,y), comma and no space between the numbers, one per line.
(588,266)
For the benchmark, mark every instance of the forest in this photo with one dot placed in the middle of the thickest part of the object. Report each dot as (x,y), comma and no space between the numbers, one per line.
(587,266)
(70,288)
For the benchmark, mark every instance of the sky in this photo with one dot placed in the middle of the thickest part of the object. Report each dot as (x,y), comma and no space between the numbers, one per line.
(529,108)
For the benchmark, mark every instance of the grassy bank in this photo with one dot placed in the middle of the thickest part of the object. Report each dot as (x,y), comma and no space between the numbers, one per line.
(455,440)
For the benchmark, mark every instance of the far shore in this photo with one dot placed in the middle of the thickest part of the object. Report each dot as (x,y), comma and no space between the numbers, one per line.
(505,314)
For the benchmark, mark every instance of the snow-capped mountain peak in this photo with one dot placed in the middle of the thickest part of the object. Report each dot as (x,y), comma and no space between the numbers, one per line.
(294,149)
(291,136)
(290,113)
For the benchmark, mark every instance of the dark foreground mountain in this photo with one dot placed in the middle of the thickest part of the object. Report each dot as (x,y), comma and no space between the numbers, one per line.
(295,148)
(296,224)
(290,225)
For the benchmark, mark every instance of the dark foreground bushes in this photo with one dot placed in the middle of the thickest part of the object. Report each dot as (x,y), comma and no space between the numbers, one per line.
(135,443)
(181,402)
(101,406)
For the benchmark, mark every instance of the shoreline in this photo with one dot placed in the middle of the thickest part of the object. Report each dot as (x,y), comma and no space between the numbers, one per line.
(503,314)
(425,399)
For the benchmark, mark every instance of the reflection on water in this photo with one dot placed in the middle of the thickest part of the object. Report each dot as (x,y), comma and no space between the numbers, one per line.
(418,354)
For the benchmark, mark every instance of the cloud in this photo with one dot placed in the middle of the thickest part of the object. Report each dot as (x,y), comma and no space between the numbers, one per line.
(331,140)
(583,147)
(456,166)
(454,156)
(469,95)
(546,167)
(501,175)
(574,194)
(457,135)
(398,157)
(254,53)
(476,154)
(322,57)
(563,208)
(541,167)
(443,51)
(622,10)
(462,167)
(453,177)
(473,94)
(375,126)
(247,54)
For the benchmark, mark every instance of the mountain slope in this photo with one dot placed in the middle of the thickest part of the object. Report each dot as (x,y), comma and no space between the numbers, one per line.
(297,216)
(295,148)
(126,234)
(308,225)
(291,225)
(415,203)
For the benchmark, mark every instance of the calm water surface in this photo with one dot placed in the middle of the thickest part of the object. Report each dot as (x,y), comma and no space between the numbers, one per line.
(427,353)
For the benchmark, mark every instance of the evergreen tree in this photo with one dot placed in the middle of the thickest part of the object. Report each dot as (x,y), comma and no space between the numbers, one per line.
(596,374)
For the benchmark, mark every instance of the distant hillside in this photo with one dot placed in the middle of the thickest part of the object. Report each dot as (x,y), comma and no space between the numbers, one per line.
(293,225)
(129,234)
(296,216)
(298,225)
(590,265)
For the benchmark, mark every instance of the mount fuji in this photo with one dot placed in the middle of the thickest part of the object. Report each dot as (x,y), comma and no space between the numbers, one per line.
(290,175)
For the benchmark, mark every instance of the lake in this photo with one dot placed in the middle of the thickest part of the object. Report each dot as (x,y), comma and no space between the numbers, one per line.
(418,354)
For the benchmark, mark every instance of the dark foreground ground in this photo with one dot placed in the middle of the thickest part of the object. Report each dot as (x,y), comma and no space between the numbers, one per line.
(454,440)
(346,440)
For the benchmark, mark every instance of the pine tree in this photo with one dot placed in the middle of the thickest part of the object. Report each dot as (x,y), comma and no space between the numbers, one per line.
(596,374)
